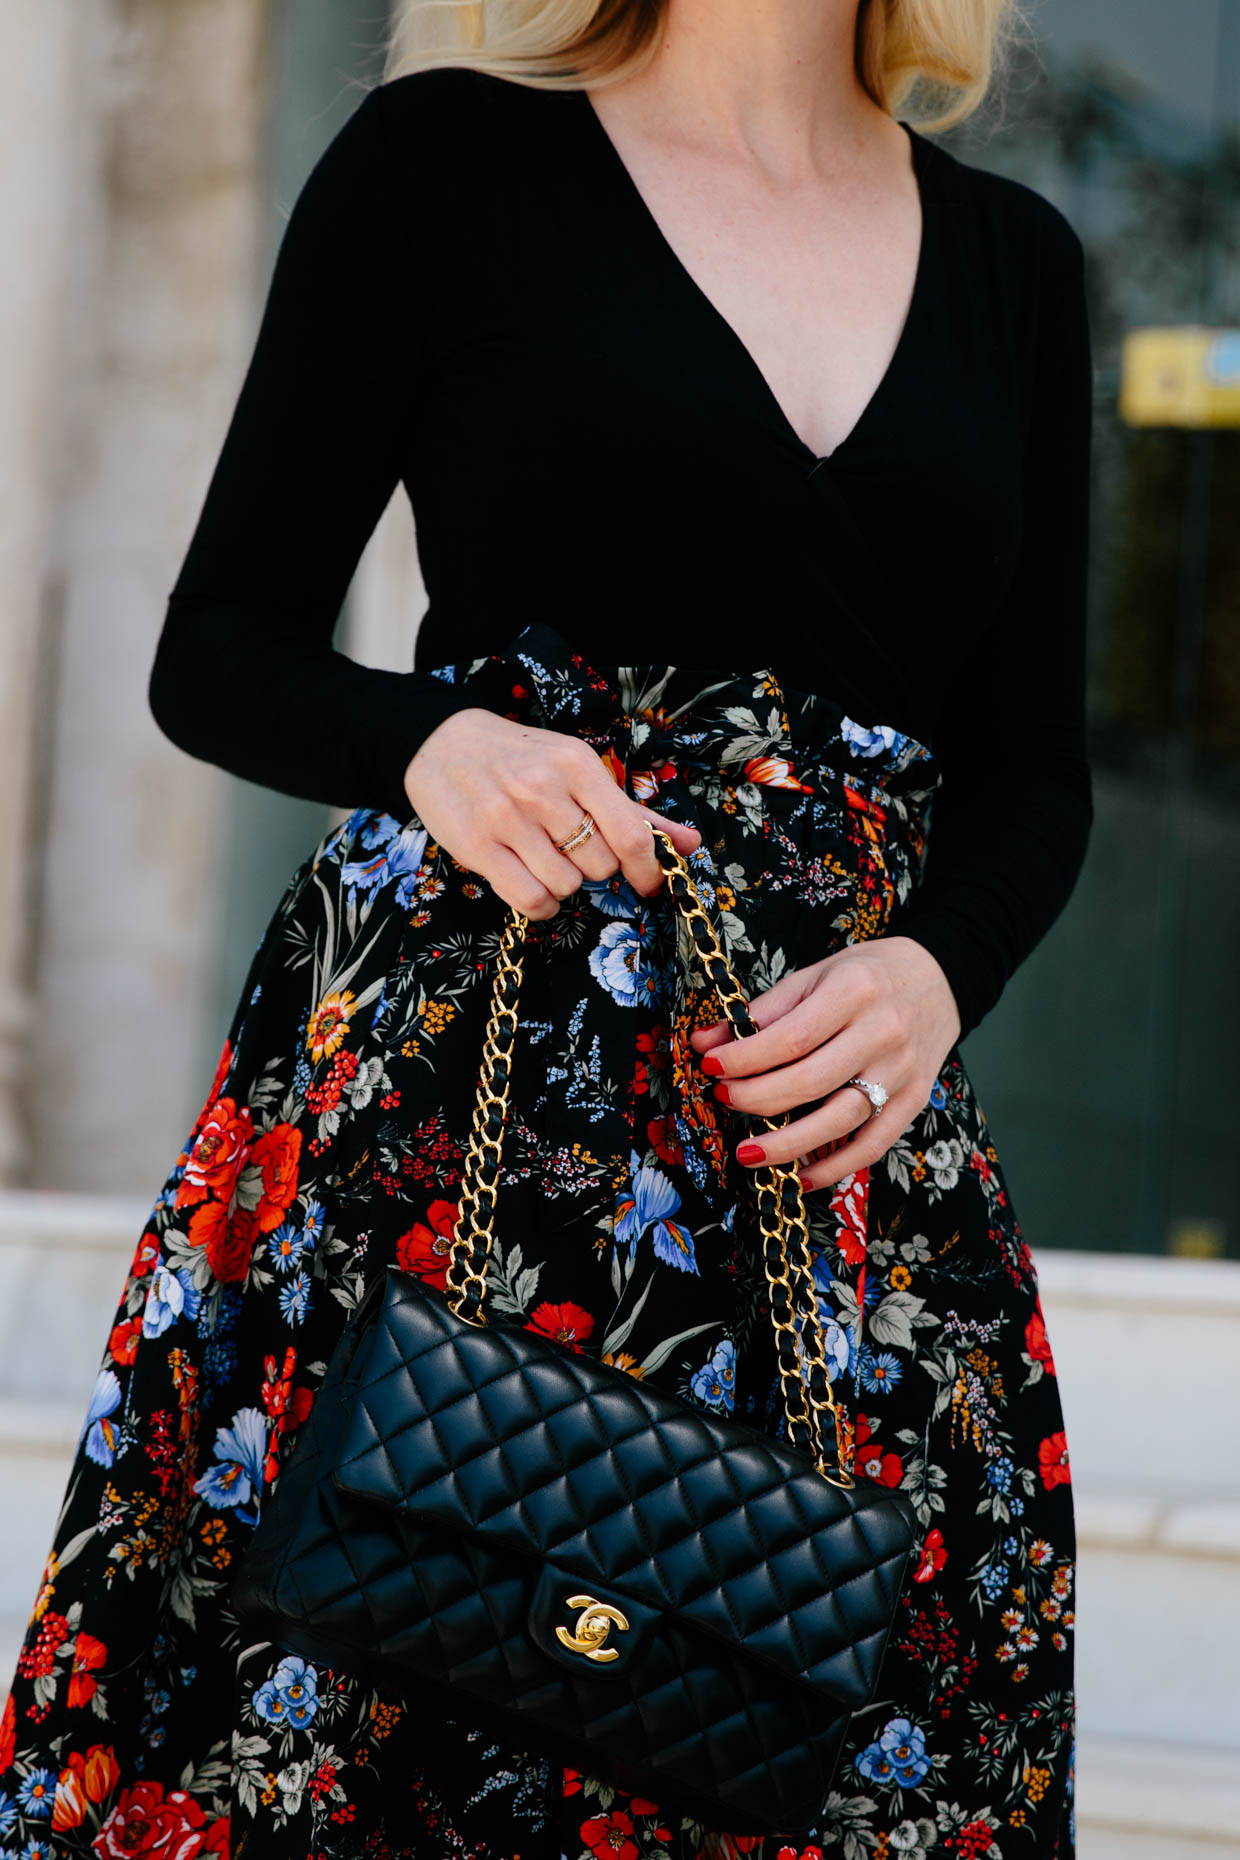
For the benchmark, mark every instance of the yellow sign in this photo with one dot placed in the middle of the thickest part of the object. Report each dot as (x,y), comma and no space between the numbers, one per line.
(1180,376)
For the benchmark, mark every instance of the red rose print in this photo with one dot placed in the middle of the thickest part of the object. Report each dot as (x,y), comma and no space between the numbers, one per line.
(932,1558)
(662,1133)
(1053,1461)
(8,1732)
(1036,1341)
(221,1072)
(278,1154)
(228,1238)
(145,1821)
(218,1153)
(425,1249)
(567,1323)
(610,1836)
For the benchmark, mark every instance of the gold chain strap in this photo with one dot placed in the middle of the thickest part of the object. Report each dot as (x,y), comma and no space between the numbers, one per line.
(813,1414)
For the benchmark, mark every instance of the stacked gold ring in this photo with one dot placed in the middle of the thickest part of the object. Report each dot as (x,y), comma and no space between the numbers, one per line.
(584,829)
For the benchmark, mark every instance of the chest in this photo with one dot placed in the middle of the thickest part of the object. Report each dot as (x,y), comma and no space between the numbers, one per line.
(813,278)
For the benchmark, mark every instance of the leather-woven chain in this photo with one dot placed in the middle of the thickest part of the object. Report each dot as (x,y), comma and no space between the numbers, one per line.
(808,1396)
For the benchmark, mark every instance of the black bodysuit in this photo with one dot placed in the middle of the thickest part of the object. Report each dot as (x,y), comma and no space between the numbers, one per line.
(472,298)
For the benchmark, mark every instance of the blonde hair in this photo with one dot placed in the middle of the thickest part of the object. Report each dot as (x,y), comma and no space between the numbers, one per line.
(932,60)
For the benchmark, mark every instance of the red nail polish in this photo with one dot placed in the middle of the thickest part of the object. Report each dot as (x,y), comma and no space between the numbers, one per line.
(723,1094)
(806,1181)
(712,1066)
(750,1153)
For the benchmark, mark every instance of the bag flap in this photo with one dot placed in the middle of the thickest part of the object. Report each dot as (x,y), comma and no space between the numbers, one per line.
(499,1432)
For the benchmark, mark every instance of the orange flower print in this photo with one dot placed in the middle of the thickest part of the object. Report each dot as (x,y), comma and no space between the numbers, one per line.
(101,1773)
(424,1250)
(774,772)
(329,1024)
(218,1153)
(89,1655)
(228,1238)
(1053,1461)
(567,1323)
(69,1807)
(610,1836)
(278,1154)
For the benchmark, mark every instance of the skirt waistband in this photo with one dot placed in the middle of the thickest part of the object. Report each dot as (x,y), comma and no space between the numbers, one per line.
(743,720)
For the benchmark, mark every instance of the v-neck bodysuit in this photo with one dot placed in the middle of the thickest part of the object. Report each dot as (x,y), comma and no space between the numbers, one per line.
(472,298)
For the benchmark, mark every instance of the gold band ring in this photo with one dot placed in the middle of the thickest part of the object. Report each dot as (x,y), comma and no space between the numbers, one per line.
(584,830)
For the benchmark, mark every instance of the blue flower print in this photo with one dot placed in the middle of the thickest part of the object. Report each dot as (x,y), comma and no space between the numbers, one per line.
(8,1813)
(313,1225)
(651,1203)
(994,1580)
(37,1794)
(864,742)
(286,1246)
(36,1849)
(620,964)
(615,897)
(295,1298)
(172,1295)
(938,1095)
(398,855)
(898,1756)
(98,1430)
(715,1382)
(879,1373)
(836,1347)
(999,1473)
(290,1696)
(235,1476)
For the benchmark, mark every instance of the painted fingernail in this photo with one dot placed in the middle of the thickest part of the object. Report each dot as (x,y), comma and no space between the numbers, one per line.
(806,1181)
(723,1094)
(711,1066)
(750,1153)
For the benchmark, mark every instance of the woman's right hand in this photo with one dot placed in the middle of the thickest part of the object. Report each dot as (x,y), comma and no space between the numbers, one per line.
(497,795)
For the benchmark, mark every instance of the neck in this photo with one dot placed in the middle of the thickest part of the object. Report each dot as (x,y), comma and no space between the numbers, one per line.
(772,78)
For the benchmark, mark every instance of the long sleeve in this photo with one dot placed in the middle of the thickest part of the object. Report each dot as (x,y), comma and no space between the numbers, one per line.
(245,674)
(1013,814)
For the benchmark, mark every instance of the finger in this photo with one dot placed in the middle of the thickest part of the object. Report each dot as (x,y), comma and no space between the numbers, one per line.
(870,1143)
(536,852)
(593,857)
(684,838)
(807,1081)
(827,1124)
(624,827)
(517,886)
(823,1013)
(764,1009)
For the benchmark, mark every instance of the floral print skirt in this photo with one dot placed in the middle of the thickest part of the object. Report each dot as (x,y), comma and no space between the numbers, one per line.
(142,1719)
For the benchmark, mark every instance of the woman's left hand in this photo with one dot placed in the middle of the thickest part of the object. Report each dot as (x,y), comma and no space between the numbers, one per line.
(881,1010)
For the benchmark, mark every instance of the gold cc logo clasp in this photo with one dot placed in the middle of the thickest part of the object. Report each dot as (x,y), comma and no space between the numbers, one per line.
(594,1624)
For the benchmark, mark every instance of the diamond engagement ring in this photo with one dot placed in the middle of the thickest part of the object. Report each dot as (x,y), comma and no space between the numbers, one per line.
(584,829)
(877,1094)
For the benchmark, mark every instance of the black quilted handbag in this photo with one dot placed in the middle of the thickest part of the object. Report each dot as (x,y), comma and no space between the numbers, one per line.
(597,1570)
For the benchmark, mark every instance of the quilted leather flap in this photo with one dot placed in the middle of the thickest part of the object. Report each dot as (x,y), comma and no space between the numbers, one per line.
(498,1432)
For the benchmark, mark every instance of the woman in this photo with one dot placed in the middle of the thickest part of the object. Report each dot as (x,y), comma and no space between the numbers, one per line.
(747,432)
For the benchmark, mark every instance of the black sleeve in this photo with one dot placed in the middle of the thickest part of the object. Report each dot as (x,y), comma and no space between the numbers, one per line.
(245,674)
(1012,817)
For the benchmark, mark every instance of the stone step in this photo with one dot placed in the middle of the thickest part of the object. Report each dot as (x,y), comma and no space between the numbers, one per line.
(1155,1801)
